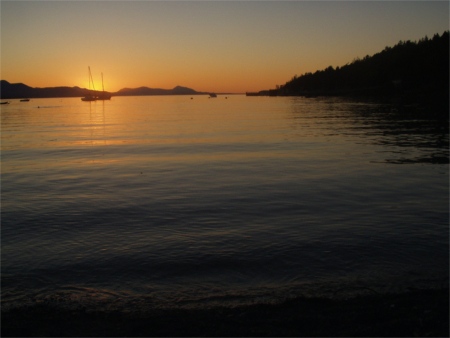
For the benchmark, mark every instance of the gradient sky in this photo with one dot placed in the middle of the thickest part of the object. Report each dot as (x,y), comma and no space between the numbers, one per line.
(221,46)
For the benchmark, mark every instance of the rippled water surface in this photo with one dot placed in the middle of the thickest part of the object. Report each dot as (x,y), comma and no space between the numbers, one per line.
(173,201)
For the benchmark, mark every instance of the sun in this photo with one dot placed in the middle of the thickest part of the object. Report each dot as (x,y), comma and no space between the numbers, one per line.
(93,82)
(97,85)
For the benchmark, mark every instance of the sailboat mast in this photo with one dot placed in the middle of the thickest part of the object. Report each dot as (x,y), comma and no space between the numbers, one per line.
(103,88)
(91,79)
(90,95)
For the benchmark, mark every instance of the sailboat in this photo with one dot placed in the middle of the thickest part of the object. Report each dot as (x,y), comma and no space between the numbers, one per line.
(90,96)
(103,95)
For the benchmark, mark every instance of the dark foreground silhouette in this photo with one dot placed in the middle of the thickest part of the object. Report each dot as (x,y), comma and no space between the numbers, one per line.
(416,313)
(409,72)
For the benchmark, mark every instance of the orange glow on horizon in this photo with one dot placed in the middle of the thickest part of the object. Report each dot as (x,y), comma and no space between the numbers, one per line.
(95,86)
(213,46)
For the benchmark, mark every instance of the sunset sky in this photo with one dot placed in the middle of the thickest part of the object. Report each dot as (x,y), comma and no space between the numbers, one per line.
(221,46)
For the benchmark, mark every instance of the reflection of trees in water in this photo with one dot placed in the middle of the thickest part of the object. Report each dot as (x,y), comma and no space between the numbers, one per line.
(413,135)
(426,139)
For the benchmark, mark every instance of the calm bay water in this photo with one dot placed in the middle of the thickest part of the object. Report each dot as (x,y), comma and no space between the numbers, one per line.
(173,201)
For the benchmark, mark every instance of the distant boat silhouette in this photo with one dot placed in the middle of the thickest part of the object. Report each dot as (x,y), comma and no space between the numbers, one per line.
(90,97)
(95,96)
(212,95)
(4,102)
(24,100)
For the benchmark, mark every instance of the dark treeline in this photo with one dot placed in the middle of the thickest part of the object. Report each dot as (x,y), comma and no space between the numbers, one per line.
(414,71)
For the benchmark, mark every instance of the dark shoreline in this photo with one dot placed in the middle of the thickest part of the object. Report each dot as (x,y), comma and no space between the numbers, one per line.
(415,313)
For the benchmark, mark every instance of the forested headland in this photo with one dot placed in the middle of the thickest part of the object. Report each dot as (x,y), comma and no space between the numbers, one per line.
(409,71)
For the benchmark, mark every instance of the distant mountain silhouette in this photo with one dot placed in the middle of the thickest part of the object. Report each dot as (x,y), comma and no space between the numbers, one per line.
(20,90)
(178,90)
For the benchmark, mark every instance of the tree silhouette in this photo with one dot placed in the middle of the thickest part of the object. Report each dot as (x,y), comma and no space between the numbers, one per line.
(411,70)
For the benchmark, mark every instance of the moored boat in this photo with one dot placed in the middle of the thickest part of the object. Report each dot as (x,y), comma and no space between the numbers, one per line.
(90,97)
(95,95)
(103,95)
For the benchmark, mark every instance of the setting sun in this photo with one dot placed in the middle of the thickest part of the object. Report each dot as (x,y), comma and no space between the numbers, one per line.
(97,85)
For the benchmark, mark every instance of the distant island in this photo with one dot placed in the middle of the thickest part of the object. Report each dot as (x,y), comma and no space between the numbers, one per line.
(178,90)
(411,71)
(20,90)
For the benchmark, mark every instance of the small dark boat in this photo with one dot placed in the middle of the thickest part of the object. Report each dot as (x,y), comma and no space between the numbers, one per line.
(103,96)
(24,100)
(4,102)
(89,98)
(212,95)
